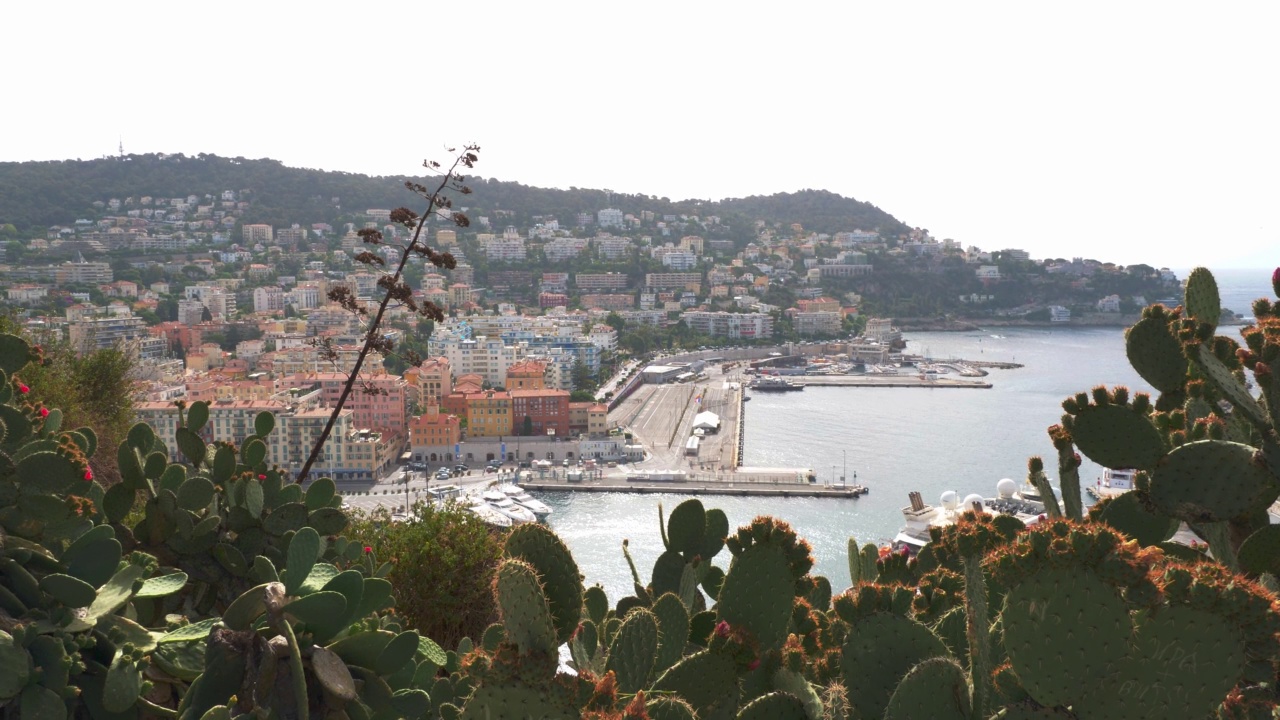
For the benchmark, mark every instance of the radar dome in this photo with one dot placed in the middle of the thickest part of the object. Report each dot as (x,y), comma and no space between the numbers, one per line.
(969,500)
(948,500)
(1006,488)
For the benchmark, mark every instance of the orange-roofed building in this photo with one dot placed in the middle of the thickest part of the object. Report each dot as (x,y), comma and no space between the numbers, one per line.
(434,429)
(430,382)
(527,375)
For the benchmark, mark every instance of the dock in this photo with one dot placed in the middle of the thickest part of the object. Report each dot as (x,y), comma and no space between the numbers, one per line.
(701,487)
(903,380)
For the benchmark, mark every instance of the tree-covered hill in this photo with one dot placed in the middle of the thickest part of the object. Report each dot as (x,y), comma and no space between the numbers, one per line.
(35,195)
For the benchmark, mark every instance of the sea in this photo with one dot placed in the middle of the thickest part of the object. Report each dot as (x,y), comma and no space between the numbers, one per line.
(891,440)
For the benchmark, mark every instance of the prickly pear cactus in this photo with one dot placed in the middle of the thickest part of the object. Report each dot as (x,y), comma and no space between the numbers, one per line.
(232,595)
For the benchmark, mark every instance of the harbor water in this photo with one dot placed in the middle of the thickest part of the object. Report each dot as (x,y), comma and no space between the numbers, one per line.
(893,440)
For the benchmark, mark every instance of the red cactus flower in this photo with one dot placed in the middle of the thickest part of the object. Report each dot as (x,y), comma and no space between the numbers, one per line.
(44,412)
(23,389)
(262,477)
(367,549)
(88,474)
(754,664)
(904,551)
(722,629)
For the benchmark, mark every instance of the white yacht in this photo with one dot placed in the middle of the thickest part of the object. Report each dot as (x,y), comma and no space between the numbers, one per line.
(490,515)
(522,497)
(499,501)
(1113,483)
(920,516)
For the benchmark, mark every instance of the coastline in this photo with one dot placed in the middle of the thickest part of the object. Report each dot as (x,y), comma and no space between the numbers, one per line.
(1092,320)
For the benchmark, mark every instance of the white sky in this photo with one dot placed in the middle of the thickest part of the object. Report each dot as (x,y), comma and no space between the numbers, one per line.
(1126,132)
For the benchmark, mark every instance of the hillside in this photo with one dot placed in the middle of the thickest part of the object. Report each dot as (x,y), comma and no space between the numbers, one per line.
(35,195)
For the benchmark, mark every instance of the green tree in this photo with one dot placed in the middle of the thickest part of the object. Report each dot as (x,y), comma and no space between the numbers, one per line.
(615,321)
(443,561)
(92,390)
(581,375)
(526,426)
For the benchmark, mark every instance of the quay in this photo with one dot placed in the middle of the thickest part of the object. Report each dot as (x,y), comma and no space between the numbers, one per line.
(703,488)
(888,381)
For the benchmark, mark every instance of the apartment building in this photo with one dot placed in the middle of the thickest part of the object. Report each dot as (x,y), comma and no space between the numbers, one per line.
(487,357)
(378,401)
(608,301)
(268,299)
(433,430)
(538,413)
(821,322)
(430,382)
(254,234)
(730,325)
(674,280)
(601,281)
(614,249)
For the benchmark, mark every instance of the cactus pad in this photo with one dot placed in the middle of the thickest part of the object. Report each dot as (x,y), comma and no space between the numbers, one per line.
(561,580)
(936,689)
(1156,354)
(673,628)
(524,608)
(878,653)
(774,706)
(1260,552)
(668,707)
(633,651)
(1116,436)
(1202,300)
(1064,630)
(1184,662)
(708,681)
(1211,480)
(1126,514)
(758,593)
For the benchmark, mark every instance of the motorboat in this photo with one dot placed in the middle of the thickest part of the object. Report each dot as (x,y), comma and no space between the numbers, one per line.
(522,497)
(919,517)
(499,501)
(490,515)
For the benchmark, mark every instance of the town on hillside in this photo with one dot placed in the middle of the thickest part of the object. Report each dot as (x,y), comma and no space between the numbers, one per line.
(542,316)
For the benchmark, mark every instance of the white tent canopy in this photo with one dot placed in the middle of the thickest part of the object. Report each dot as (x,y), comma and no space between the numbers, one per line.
(706,421)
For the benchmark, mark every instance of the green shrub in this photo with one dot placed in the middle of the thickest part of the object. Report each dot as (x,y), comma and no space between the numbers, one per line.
(443,560)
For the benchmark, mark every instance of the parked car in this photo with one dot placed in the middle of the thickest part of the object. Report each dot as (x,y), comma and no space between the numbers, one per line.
(460,468)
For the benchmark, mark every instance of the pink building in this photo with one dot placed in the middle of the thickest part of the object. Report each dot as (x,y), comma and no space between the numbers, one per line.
(385,410)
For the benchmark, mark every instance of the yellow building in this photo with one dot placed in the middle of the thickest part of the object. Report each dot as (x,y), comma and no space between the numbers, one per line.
(488,414)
